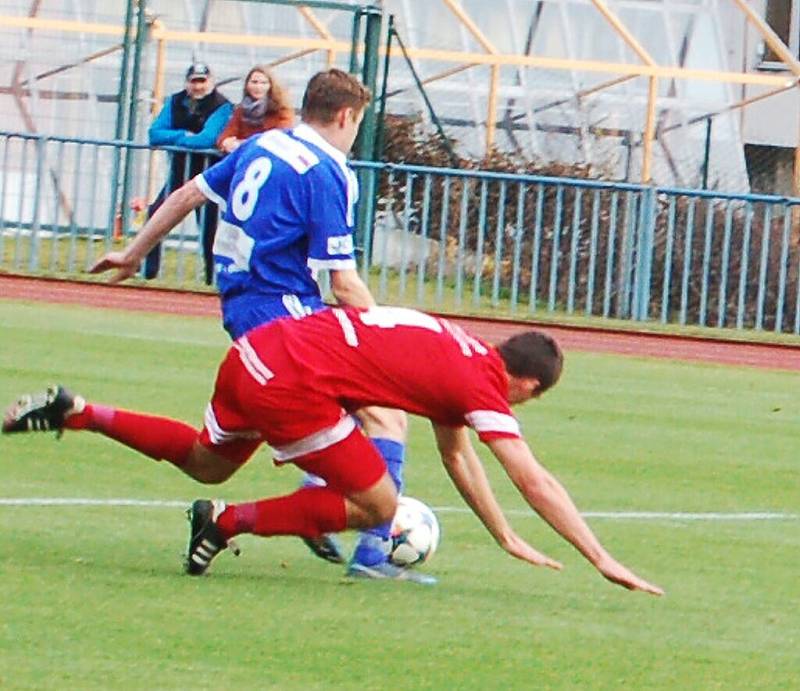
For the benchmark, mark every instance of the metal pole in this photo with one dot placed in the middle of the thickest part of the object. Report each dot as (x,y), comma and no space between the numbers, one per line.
(123,72)
(141,33)
(649,131)
(434,118)
(381,129)
(120,124)
(796,193)
(796,178)
(707,153)
(491,108)
(155,107)
(355,40)
(628,142)
(365,145)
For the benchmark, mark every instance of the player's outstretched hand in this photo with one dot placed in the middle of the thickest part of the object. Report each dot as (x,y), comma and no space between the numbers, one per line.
(615,572)
(125,267)
(517,547)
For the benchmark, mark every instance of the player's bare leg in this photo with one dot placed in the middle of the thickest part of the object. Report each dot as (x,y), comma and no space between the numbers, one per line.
(208,467)
(358,494)
(309,512)
(387,429)
(373,506)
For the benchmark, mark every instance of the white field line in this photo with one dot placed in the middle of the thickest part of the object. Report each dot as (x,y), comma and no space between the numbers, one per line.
(612,515)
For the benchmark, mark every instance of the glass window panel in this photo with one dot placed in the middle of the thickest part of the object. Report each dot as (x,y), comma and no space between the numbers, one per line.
(779,17)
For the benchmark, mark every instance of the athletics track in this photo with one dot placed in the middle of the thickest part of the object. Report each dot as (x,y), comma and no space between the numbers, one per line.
(633,343)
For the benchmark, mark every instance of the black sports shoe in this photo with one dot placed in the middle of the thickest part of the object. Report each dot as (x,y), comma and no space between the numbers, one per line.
(41,412)
(205,539)
(325,547)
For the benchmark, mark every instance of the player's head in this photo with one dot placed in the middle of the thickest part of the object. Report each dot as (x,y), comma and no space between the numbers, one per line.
(199,81)
(533,361)
(334,101)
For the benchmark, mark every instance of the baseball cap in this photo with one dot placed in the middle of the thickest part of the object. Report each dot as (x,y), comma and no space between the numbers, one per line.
(198,70)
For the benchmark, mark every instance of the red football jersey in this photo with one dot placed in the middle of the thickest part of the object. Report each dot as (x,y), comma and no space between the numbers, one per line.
(393,357)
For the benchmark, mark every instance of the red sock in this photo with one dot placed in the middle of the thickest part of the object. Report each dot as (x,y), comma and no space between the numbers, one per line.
(160,438)
(308,512)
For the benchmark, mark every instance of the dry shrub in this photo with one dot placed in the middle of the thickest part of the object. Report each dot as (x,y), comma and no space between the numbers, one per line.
(573,220)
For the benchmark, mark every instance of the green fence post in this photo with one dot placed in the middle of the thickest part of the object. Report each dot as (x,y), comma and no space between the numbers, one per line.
(141,32)
(381,125)
(355,40)
(365,143)
(123,97)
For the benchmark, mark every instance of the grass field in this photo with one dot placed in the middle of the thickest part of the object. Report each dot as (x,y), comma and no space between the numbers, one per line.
(93,596)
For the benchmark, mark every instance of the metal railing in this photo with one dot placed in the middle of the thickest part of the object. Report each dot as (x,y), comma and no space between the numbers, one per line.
(457,240)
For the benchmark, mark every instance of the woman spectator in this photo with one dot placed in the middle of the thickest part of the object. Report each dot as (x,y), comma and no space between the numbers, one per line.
(264,107)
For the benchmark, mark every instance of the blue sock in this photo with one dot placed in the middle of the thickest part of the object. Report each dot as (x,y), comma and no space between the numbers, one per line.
(394,454)
(373,544)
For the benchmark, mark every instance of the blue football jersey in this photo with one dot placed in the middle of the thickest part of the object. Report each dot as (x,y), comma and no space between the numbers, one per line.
(288,210)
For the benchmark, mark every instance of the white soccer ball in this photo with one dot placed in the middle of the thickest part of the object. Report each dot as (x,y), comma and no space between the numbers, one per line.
(415,533)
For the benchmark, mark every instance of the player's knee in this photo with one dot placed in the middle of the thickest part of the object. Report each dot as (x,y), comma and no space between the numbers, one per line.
(376,515)
(209,476)
(386,513)
(213,478)
(208,468)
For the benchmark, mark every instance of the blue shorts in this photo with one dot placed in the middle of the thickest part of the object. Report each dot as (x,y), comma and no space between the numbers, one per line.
(240,316)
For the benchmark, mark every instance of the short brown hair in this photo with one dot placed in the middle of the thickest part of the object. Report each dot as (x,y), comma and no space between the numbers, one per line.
(533,354)
(330,91)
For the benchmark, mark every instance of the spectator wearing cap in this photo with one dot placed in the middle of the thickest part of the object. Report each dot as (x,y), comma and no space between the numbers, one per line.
(190,119)
(264,106)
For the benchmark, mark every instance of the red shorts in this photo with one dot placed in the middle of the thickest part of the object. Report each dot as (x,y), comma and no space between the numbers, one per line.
(253,403)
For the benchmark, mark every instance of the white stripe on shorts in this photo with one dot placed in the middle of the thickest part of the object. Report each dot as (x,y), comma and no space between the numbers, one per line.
(350,336)
(253,364)
(220,436)
(315,442)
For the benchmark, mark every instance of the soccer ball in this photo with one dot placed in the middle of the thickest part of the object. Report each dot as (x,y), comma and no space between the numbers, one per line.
(415,533)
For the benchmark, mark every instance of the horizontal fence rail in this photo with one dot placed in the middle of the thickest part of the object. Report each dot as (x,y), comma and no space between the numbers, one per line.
(446,239)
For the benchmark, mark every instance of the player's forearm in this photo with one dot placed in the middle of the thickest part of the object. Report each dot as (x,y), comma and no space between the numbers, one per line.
(471,482)
(545,494)
(550,500)
(170,213)
(469,477)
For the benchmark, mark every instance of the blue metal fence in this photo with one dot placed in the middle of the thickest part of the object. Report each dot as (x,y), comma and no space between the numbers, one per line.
(454,240)
(528,244)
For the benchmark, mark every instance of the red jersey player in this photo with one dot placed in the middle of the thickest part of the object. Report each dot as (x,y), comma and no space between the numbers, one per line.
(293,384)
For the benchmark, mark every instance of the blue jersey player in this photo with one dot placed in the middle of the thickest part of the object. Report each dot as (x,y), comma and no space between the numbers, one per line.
(267,254)
(288,205)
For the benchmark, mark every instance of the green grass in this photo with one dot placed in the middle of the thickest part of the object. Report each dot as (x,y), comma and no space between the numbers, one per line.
(94,598)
